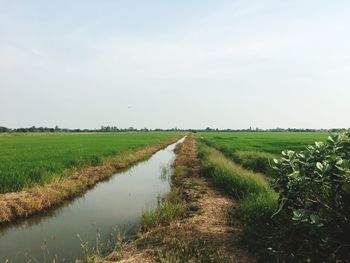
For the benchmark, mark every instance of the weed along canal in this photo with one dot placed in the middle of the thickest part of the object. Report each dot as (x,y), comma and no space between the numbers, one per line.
(115,205)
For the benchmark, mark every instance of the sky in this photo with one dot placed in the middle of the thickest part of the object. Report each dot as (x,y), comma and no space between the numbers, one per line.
(185,63)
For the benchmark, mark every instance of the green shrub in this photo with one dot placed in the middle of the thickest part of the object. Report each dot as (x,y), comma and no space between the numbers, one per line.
(314,188)
(258,208)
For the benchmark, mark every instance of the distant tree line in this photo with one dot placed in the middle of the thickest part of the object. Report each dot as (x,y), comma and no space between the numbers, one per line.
(132,129)
(102,129)
(271,130)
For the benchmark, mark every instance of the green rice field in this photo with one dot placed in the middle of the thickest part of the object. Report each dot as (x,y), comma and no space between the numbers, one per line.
(255,150)
(30,159)
(271,142)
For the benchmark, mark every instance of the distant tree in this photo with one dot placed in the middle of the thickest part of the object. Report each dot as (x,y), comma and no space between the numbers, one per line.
(4,129)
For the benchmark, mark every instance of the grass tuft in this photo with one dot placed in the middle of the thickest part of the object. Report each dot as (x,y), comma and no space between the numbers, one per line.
(230,177)
(182,250)
(253,160)
(169,207)
(258,207)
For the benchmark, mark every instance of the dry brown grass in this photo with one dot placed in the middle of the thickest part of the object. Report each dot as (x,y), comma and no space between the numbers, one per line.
(204,234)
(27,202)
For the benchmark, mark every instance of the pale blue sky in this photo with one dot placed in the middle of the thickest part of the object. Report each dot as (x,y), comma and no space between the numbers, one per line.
(186,64)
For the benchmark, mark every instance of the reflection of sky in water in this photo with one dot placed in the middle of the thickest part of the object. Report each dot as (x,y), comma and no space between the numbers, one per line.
(115,203)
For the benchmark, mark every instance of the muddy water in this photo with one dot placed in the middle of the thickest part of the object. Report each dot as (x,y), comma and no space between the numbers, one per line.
(114,204)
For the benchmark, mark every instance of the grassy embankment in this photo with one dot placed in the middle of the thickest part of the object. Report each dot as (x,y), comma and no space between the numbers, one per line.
(50,168)
(234,170)
(257,202)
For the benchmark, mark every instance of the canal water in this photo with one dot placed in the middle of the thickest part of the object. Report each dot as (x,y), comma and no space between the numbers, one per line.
(112,206)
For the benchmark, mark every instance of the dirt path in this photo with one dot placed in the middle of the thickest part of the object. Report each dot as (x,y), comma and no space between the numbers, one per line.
(204,234)
(211,224)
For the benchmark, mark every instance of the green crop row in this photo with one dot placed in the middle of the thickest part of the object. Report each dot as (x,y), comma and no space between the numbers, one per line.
(26,160)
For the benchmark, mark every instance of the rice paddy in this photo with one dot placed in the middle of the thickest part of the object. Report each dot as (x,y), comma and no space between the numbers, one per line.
(255,150)
(270,142)
(27,160)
